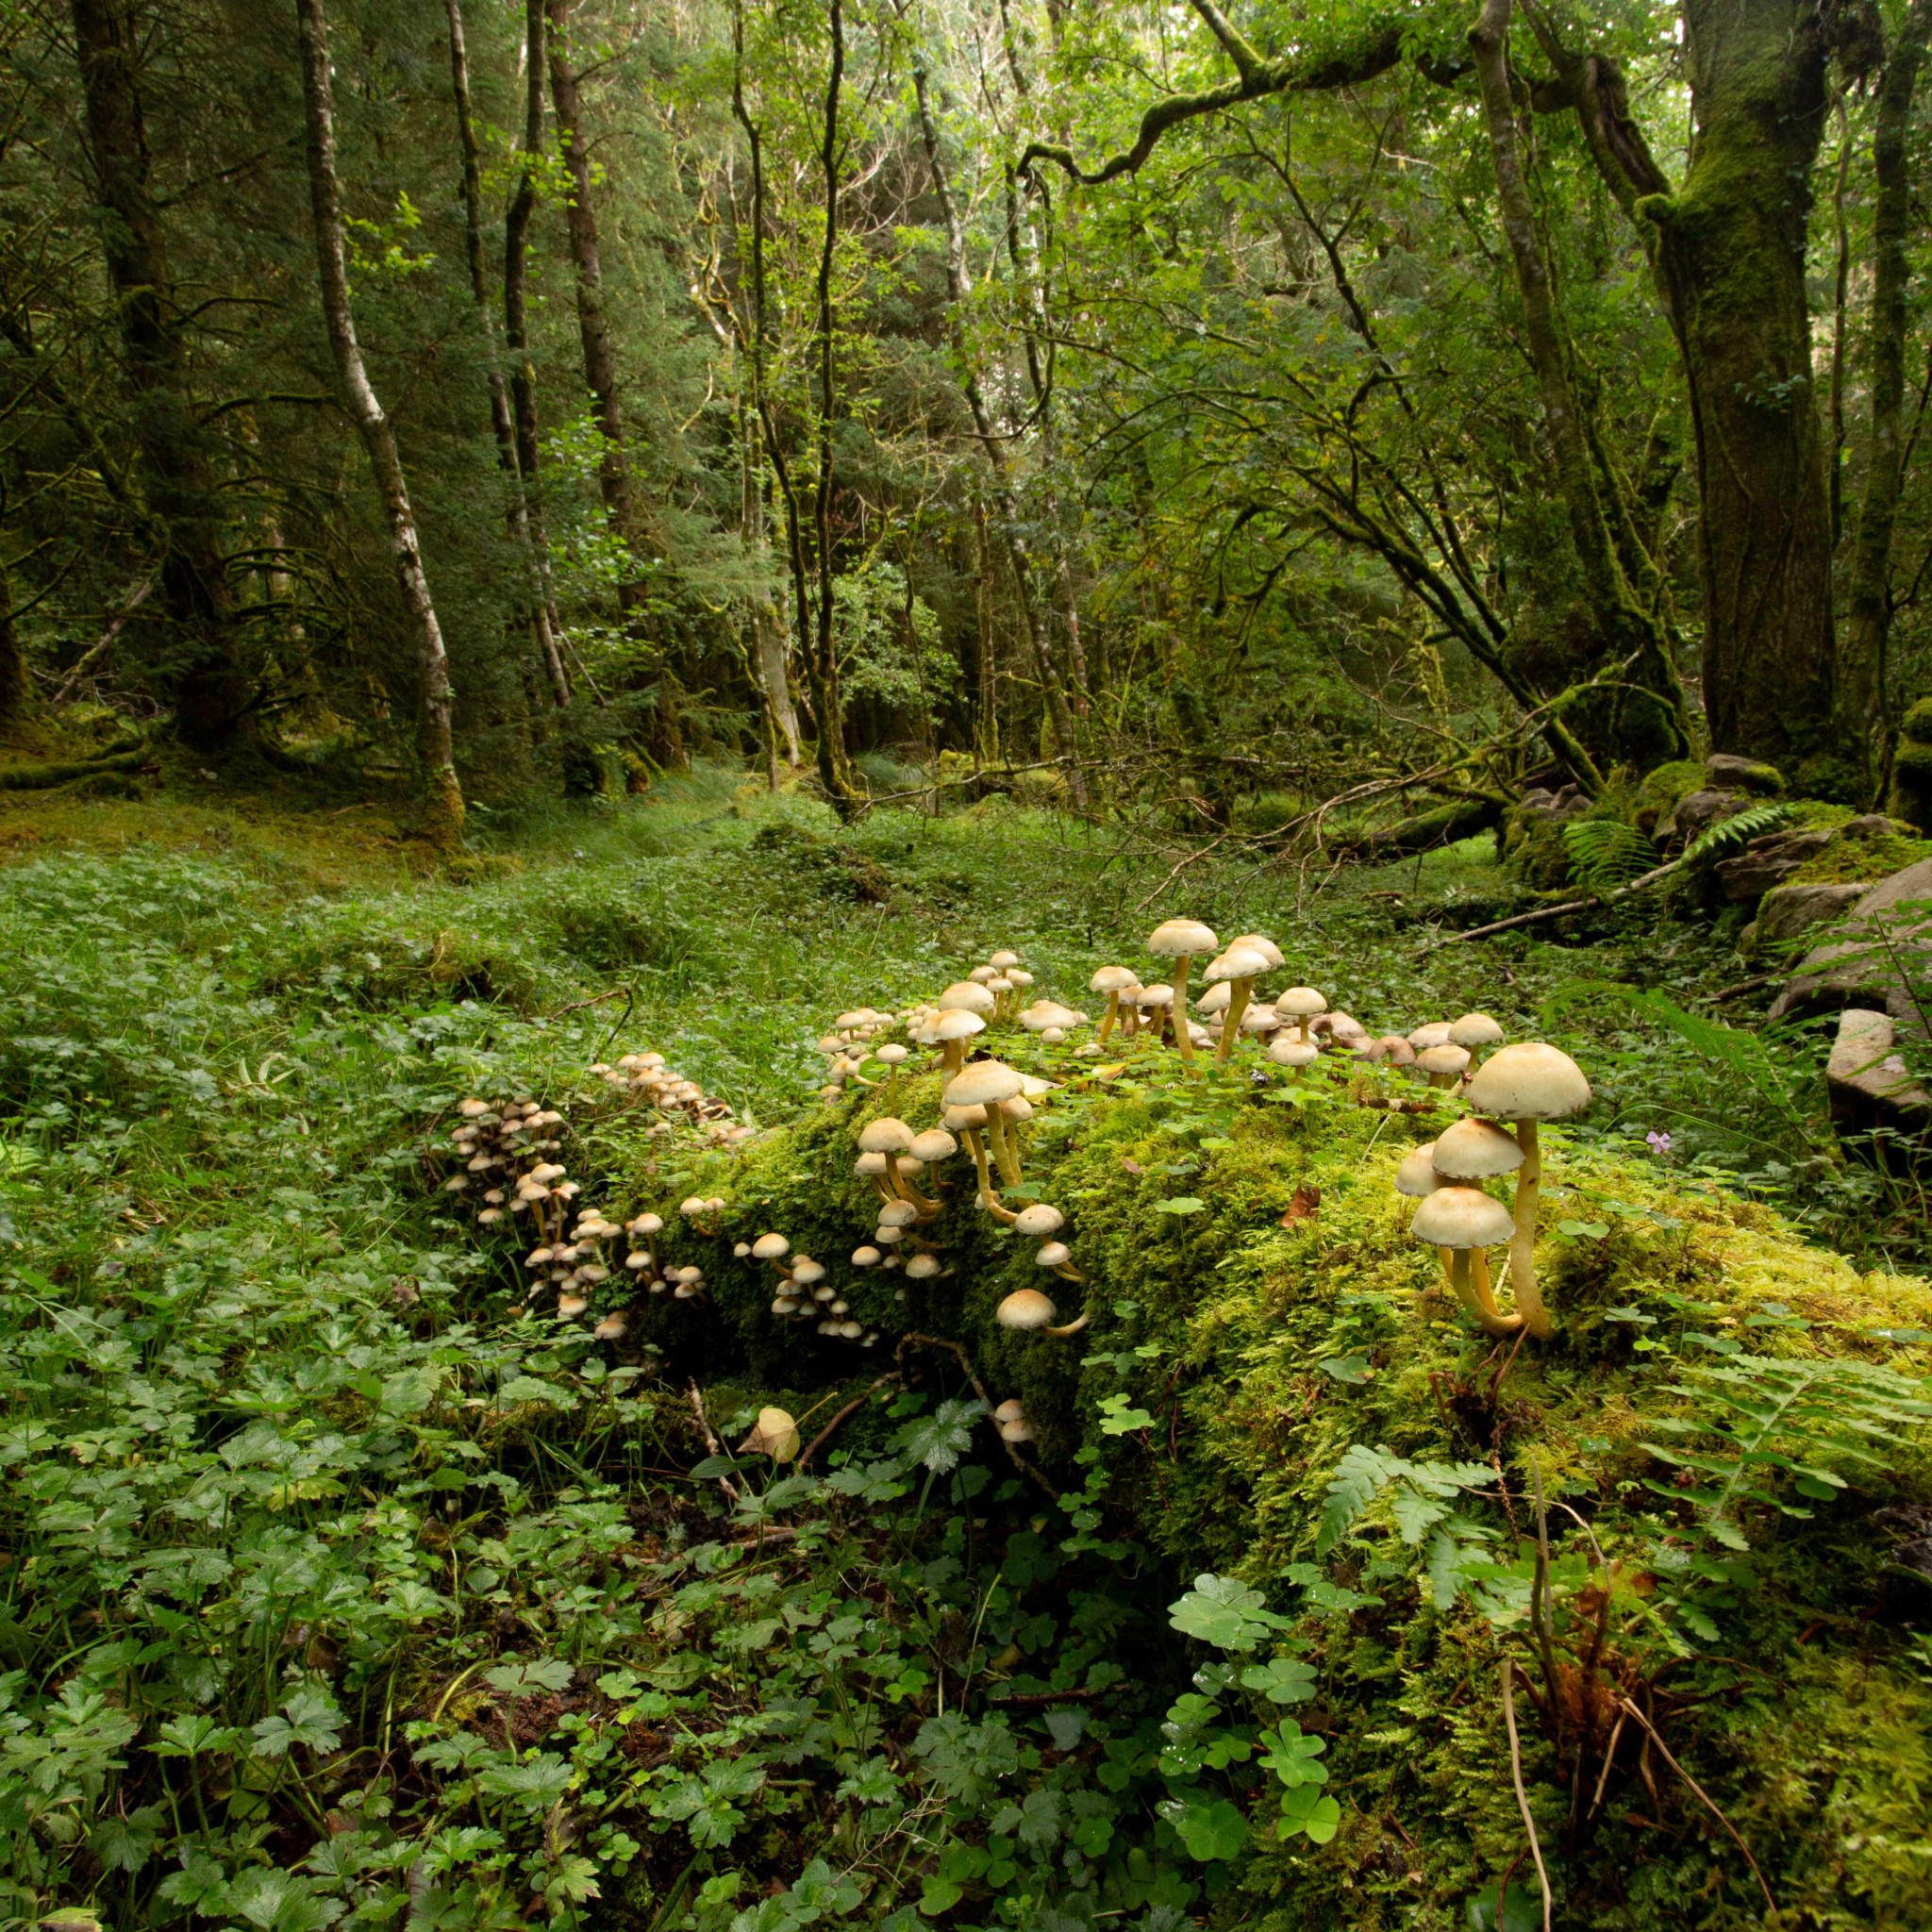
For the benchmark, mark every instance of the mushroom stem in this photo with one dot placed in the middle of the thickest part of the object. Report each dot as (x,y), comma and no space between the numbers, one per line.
(1458,1279)
(1530,1304)
(1493,1320)
(1231,1020)
(892,1090)
(902,1189)
(1072,1328)
(953,1054)
(1067,1272)
(988,1198)
(1108,1018)
(1183,1036)
(999,1130)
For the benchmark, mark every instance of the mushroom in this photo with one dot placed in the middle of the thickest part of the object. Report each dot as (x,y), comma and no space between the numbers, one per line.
(1461,1219)
(1285,1050)
(1153,1006)
(1239,966)
(1049,1016)
(1435,1034)
(1039,1221)
(952,1029)
(921,1268)
(1300,1004)
(1474,1030)
(1113,981)
(1443,1063)
(972,1122)
(1026,1307)
(1396,1051)
(1179,939)
(611,1327)
(774,1434)
(867,1257)
(891,1138)
(1009,1418)
(1524,1084)
(1473,1150)
(934,1145)
(986,1083)
(892,1057)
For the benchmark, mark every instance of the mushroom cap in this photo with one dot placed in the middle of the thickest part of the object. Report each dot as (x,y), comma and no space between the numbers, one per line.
(1179,939)
(777,1435)
(1018,1108)
(903,1213)
(965,996)
(1151,996)
(648,1223)
(1003,959)
(1042,1014)
(1301,1003)
(869,1164)
(1456,1217)
(805,1271)
(1011,1411)
(960,1117)
(1018,975)
(1053,1255)
(1113,980)
(1396,1051)
(1043,1218)
(1258,1017)
(982,1083)
(611,1327)
(1286,1051)
(885,1135)
(1019,1430)
(1025,1307)
(892,1053)
(956,1022)
(1417,1176)
(1344,1026)
(1240,962)
(922,1266)
(867,1257)
(1215,1000)
(934,1145)
(1475,1029)
(1435,1034)
(1473,1150)
(767,1247)
(1442,1059)
(1529,1081)
(692,1204)
(1261,944)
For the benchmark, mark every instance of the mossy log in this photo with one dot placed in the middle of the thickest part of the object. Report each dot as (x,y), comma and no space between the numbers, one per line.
(1252,1289)
(42,776)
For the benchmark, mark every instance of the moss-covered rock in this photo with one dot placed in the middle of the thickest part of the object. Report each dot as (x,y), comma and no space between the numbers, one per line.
(1257,1312)
(1910,797)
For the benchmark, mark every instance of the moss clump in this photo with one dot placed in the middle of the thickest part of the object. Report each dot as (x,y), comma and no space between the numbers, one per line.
(1845,861)
(1254,1294)
(1663,789)
(1910,799)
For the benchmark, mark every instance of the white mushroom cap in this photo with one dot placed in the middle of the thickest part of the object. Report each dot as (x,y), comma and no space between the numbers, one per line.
(885,1135)
(982,1083)
(1300,1003)
(1025,1307)
(692,1204)
(869,1164)
(1259,1018)
(1148,997)
(922,1266)
(741,1250)
(965,996)
(1529,1081)
(611,1327)
(1043,1014)
(1019,1430)
(1473,1150)
(1215,1000)
(1462,1218)
(1003,959)
(648,1223)
(886,1235)
(1262,944)
(805,1271)
(1017,1108)
(1177,939)
(1435,1034)
(1475,1029)
(1018,975)
(1043,1218)
(1286,1051)
(903,1213)
(1011,1411)
(1113,980)
(960,1117)
(1340,1026)
(956,1022)
(1240,962)
(867,1257)
(934,1145)
(767,1247)
(1053,1255)
(984,975)
(1396,1051)
(1442,1059)
(1417,1174)
(892,1053)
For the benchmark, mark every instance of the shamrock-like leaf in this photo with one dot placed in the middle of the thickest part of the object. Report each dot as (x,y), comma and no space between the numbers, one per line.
(1308,1811)
(1280,1680)
(1223,1612)
(1209,1828)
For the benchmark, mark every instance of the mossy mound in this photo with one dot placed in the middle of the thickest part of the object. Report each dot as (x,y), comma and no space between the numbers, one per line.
(1259,1319)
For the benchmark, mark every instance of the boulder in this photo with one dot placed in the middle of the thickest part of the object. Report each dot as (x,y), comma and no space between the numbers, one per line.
(1766,862)
(1788,910)
(1699,812)
(1882,958)
(1867,1081)
(1728,772)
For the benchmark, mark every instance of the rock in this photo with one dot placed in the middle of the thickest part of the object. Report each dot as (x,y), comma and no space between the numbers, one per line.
(1873,824)
(1728,772)
(1539,802)
(1886,942)
(1867,1082)
(1766,862)
(1700,811)
(1788,910)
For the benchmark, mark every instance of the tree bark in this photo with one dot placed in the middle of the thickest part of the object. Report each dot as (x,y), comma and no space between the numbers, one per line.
(204,683)
(442,821)
(13,678)
(1005,504)
(1868,609)
(502,420)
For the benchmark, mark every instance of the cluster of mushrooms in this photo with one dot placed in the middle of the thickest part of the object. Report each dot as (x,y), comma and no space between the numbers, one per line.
(577,1266)
(645,1077)
(803,1293)
(504,1147)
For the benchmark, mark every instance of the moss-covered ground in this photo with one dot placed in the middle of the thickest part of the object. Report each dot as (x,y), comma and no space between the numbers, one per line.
(345,1585)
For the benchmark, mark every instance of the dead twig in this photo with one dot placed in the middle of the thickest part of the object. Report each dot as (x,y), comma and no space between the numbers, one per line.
(710,1434)
(1535,1850)
(845,1415)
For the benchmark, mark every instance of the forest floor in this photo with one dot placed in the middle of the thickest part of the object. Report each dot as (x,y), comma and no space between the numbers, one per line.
(342,1586)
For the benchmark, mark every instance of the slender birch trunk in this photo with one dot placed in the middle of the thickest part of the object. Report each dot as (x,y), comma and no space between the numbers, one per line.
(442,821)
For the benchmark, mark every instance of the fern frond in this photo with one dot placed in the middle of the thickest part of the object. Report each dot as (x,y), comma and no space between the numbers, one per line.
(1604,854)
(1749,824)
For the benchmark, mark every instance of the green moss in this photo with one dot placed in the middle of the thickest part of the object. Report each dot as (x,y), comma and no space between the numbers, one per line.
(1661,790)
(1846,860)
(1217,1321)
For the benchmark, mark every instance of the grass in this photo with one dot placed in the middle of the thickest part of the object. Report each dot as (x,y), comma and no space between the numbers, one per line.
(336,1592)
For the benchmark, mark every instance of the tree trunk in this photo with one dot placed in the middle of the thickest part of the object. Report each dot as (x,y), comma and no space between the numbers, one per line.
(768,634)
(204,683)
(502,420)
(13,678)
(1868,612)
(443,816)
(1059,718)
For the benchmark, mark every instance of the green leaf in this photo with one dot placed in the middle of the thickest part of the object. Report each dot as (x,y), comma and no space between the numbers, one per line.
(1308,1811)
(1280,1680)
(1225,1612)
(1181,1204)
(1209,1828)
(1117,1419)
(1346,1368)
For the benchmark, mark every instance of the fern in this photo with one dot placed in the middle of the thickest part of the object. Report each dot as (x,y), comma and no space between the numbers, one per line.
(1771,1419)
(1364,1473)
(1748,824)
(1604,854)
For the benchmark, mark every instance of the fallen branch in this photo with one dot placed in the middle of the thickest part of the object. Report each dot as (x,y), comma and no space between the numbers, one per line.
(845,1415)
(105,643)
(957,1349)
(710,1434)
(1542,912)
(44,778)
